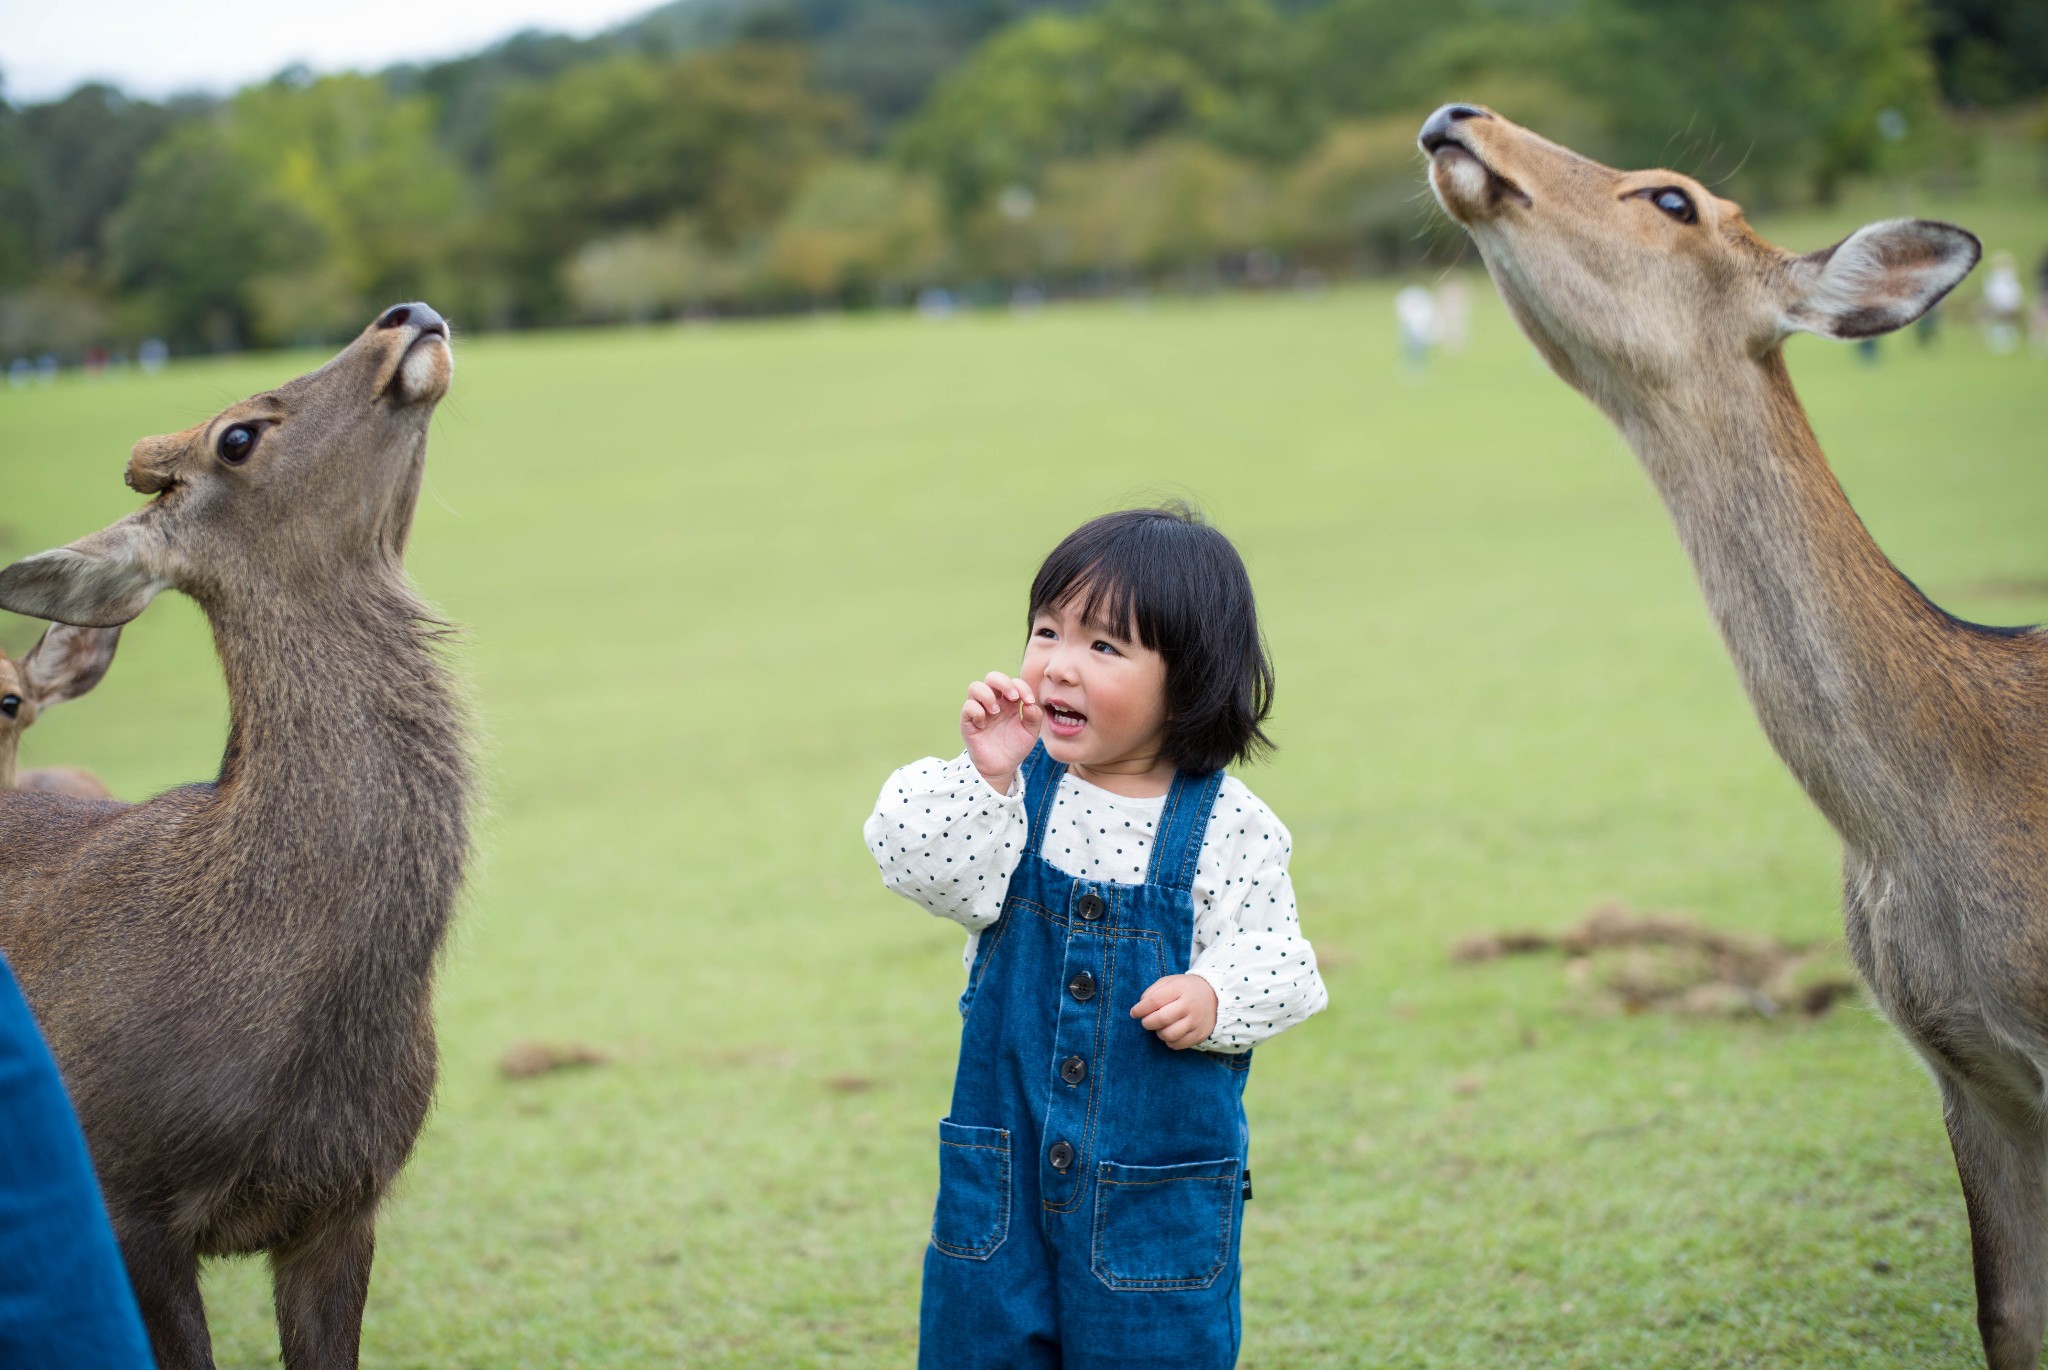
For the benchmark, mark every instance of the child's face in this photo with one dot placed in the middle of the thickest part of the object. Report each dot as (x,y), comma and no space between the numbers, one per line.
(1103,693)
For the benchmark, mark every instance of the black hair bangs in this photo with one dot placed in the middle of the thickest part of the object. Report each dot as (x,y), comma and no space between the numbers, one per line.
(1174,583)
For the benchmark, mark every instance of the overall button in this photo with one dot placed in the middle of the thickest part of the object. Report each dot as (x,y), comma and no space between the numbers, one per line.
(1091,906)
(1073,1070)
(1061,1156)
(1082,987)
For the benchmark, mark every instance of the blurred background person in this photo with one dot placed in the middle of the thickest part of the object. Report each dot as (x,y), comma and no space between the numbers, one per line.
(2001,304)
(1415,316)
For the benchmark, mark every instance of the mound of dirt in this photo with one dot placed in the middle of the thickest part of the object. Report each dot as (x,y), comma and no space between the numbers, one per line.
(1667,962)
(528,1059)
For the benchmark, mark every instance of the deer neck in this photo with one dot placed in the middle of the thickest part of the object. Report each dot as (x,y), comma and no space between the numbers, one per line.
(344,789)
(1841,657)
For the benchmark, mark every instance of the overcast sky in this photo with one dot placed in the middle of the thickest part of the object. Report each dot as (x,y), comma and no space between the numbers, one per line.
(159,47)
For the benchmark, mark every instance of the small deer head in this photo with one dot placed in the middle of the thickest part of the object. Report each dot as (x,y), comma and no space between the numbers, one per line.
(1636,283)
(63,665)
(273,498)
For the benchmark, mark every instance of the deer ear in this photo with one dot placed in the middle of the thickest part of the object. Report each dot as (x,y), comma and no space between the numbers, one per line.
(100,581)
(68,662)
(1882,276)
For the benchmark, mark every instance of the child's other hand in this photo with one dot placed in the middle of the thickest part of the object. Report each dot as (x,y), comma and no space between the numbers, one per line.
(1179,1009)
(999,722)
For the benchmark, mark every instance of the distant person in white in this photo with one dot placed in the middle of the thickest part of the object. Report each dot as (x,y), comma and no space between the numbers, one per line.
(1415,314)
(2003,299)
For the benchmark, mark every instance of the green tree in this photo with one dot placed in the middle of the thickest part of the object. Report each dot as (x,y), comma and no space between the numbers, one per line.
(887,57)
(364,170)
(1781,98)
(200,221)
(854,229)
(725,137)
(1989,52)
(1057,86)
(84,150)
(288,215)
(17,201)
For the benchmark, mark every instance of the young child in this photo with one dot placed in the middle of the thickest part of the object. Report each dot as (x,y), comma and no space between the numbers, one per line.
(1133,937)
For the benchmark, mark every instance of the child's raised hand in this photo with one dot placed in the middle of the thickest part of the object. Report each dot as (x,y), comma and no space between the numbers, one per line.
(999,722)
(1179,1009)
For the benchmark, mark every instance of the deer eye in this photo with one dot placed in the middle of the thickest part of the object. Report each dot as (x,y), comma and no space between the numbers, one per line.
(10,705)
(237,443)
(1676,203)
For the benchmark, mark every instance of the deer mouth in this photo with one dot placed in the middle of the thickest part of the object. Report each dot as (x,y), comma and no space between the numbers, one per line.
(425,368)
(1465,184)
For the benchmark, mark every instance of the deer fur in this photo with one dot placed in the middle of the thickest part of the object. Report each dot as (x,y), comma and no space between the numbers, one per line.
(235,977)
(1922,738)
(64,664)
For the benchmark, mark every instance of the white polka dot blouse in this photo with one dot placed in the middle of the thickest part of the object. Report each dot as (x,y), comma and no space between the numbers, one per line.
(946,840)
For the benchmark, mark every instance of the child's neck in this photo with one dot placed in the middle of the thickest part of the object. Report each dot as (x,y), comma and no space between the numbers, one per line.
(1132,780)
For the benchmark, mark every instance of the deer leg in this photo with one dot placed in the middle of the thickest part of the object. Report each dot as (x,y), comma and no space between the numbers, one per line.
(319,1282)
(2004,1170)
(165,1273)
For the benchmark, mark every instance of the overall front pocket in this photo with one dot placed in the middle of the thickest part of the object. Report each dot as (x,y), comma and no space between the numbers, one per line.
(973,1213)
(1164,1226)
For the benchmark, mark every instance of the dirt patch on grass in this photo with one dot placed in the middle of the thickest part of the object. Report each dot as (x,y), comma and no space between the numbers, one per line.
(1665,962)
(528,1059)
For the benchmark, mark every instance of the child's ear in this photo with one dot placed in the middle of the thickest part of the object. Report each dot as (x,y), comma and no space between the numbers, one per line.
(1881,277)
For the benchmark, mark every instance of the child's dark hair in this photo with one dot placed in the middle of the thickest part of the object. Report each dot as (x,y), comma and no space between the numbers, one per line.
(1179,584)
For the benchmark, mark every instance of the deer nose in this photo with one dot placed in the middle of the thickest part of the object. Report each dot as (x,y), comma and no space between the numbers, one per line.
(1436,131)
(420,316)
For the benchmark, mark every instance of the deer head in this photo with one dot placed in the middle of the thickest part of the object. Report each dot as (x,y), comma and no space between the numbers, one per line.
(1635,285)
(272,499)
(63,665)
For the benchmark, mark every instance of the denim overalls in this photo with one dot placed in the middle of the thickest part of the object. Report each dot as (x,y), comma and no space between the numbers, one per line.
(1090,1178)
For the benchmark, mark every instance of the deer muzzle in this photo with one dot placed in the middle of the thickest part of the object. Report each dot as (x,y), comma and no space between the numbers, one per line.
(423,367)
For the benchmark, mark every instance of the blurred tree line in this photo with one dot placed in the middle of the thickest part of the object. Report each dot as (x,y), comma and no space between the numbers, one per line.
(764,154)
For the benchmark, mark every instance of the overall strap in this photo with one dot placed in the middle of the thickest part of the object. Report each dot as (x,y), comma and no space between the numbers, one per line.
(1182,822)
(1041,781)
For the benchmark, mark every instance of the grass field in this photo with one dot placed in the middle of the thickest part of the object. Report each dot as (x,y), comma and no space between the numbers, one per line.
(717,582)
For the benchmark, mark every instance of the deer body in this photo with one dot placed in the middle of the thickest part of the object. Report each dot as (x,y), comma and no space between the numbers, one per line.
(1921,738)
(235,977)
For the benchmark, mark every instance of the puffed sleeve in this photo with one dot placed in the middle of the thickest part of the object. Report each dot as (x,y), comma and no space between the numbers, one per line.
(946,840)
(1248,942)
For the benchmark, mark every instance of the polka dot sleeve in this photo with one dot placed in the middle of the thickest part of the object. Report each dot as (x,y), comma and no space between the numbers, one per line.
(945,840)
(1248,942)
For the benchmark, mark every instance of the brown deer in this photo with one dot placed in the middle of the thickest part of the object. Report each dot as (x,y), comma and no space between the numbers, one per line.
(1922,738)
(64,664)
(235,976)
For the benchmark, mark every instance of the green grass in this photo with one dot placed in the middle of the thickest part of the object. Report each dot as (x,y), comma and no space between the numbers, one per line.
(718,582)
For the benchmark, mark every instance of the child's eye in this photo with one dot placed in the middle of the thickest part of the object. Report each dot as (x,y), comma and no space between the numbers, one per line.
(1109,647)
(1042,632)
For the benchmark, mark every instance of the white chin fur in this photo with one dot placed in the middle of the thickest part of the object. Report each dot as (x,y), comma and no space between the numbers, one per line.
(1459,181)
(426,370)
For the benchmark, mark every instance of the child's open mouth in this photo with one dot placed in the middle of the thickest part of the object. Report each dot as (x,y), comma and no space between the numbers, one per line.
(1064,722)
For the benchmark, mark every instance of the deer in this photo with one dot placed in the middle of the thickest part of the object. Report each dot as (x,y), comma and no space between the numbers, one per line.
(235,977)
(64,664)
(1922,738)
